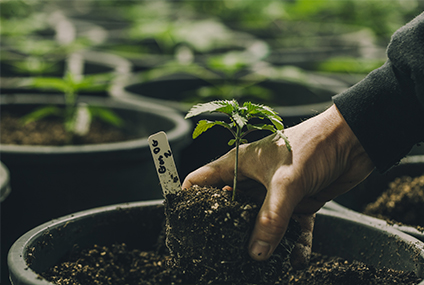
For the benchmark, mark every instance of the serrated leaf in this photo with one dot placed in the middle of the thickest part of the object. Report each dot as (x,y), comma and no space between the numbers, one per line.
(223,106)
(261,127)
(286,140)
(204,125)
(256,110)
(229,107)
(277,123)
(239,119)
(261,111)
(214,106)
(40,113)
(201,127)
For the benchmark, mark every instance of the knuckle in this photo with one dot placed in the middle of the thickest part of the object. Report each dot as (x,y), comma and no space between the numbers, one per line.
(272,223)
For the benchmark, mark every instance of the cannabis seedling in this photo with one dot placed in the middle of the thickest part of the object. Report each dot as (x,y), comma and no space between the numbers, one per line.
(239,126)
(76,117)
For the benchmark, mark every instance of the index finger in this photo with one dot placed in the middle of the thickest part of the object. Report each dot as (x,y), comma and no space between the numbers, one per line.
(206,175)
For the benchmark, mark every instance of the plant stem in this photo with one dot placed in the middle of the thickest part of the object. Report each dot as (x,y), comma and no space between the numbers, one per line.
(236,162)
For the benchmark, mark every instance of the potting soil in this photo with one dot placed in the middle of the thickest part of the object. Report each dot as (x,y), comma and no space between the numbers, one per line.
(118,265)
(51,132)
(402,202)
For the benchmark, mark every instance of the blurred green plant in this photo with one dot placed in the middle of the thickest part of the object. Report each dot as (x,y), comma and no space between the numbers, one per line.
(77,117)
(350,65)
(34,66)
(202,35)
(233,75)
(37,56)
(17,26)
(382,17)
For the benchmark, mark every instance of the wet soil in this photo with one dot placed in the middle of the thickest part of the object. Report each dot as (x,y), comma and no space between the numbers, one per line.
(50,132)
(402,202)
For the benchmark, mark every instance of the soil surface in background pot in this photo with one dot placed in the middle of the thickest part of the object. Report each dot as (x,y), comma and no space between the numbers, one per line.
(402,202)
(51,132)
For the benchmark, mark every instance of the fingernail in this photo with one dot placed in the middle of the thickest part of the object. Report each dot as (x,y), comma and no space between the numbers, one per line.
(260,248)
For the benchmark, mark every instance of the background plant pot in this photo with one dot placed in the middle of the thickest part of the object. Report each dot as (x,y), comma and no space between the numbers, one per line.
(51,181)
(355,201)
(293,101)
(139,225)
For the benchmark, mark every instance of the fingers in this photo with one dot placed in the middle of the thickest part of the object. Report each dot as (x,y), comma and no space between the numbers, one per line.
(302,250)
(203,176)
(272,221)
(217,173)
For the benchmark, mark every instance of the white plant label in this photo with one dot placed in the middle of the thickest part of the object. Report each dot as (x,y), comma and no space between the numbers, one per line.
(164,162)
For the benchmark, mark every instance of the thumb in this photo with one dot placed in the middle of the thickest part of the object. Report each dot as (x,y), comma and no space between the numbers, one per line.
(271,223)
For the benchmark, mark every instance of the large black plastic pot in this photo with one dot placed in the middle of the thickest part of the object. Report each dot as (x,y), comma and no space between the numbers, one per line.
(139,225)
(355,201)
(52,181)
(293,101)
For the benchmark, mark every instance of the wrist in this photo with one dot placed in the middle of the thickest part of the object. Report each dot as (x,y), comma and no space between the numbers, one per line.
(341,137)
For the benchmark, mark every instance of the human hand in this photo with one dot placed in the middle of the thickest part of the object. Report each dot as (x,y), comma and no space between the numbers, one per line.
(326,160)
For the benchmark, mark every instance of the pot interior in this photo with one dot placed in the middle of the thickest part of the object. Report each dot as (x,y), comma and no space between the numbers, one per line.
(138,122)
(184,88)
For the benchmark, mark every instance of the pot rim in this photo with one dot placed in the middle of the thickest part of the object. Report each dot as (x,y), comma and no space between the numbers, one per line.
(315,80)
(181,126)
(411,230)
(15,252)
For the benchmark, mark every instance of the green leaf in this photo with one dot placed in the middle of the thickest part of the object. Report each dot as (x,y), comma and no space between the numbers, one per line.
(201,127)
(97,82)
(239,119)
(49,83)
(277,123)
(204,125)
(106,115)
(286,140)
(231,142)
(261,127)
(257,110)
(223,106)
(40,113)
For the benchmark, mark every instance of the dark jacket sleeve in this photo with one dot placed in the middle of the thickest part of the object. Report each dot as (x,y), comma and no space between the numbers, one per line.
(386,109)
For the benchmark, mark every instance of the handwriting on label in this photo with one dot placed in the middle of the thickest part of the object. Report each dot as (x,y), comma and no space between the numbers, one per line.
(164,162)
(167,154)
